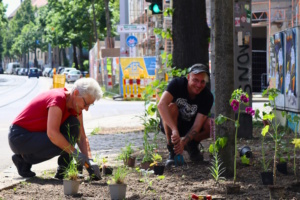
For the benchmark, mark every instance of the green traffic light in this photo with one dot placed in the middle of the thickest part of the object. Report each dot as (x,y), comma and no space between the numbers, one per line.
(155,8)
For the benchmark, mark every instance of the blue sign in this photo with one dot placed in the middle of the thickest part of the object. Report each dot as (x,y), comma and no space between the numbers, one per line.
(131,41)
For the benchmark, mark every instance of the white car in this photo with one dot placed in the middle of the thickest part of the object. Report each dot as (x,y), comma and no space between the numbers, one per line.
(67,70)
(73,75)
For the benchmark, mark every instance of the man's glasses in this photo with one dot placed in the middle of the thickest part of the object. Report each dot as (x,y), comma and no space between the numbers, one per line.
(85,104)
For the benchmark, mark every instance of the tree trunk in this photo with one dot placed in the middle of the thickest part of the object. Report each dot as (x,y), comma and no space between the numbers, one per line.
(59,56)
(109,40)
(35,59)
(190,33)
(65,60)
(80,59)
(75,56)
(94,21)
(224,78)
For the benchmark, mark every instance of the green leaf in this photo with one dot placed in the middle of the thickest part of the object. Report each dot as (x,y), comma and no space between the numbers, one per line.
(245,160)
(220,119)
(162,177)
(265,130)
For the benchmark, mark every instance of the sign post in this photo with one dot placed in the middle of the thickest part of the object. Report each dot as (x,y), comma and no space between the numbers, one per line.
(132,28)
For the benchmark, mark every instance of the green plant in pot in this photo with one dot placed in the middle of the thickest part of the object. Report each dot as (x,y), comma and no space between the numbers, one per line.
(266,175)
(148,151)
(157,163)
(71,182)
(127,155)
(275,191)
(238,97)
(106,169)
(282,150)
(295,120)
(117,186)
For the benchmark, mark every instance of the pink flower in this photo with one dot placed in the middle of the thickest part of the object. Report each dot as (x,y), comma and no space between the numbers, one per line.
(250,111)
(244,98)
(235,105)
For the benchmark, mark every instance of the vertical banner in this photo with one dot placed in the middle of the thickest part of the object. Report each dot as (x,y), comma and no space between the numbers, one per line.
(279,68)
(242,33)
(243,46)
(291,75)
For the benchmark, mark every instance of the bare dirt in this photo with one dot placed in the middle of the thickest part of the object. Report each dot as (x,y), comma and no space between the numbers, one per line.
(179,182)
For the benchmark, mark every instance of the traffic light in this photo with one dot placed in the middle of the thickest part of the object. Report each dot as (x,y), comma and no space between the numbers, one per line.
(155,6)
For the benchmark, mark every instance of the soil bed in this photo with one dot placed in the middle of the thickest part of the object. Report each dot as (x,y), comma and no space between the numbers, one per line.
(179,182)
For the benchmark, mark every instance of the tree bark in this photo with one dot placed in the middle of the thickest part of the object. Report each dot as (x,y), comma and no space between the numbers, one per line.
(94,21)
(190,33)
(75,56)
(109,40)
(224,78)
(80,59)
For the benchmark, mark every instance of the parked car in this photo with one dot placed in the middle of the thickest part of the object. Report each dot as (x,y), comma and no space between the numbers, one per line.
(16,70)
(23,71)
(20,70)
(73,75)
(33,72)
(59,70)
(40,72)
(11,66)
(1,70)
(66,70)
(46,70)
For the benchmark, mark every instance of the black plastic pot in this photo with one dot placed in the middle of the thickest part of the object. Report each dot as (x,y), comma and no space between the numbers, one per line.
(159,170)
(246,150)
(282,168)
(107,170)
(267,178)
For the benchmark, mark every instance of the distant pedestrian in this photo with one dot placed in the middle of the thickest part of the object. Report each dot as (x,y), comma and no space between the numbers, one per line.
(50,125)
(184,109)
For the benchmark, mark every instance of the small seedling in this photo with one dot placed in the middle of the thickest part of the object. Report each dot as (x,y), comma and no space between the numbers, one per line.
(245,160)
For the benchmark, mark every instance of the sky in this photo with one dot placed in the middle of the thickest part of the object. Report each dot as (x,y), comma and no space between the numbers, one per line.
(12,5)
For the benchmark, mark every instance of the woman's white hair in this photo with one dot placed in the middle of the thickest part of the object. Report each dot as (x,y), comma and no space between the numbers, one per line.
(88,86)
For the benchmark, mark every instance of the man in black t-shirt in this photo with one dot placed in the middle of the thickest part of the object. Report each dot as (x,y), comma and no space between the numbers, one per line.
(183,108)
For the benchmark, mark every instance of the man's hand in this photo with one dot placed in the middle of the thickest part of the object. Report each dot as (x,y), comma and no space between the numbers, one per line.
(179,147)
(80,157)
(175,137)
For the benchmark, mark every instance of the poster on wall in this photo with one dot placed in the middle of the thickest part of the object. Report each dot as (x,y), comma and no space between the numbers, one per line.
(279,57)
(137,68)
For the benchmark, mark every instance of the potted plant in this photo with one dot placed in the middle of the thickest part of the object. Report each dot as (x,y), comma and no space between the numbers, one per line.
(106,170)
(148,151)
(276,192)
(117,187)
(266,175)
(70,181)
(158,166)
(126,155)
(238,97)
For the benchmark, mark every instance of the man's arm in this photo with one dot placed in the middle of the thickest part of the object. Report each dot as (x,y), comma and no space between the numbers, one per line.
(164,111)
(83,142)
(53,130)
(194,131)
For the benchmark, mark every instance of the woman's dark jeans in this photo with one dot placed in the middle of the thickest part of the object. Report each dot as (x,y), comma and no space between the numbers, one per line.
(36,147)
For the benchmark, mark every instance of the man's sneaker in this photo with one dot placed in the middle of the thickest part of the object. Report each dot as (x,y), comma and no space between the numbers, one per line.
(193,151)
(22,166)
(170,160)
